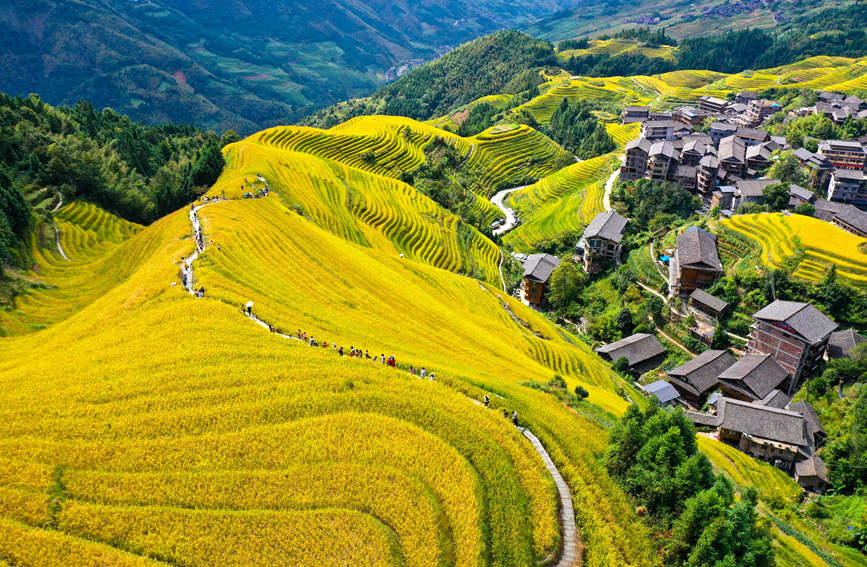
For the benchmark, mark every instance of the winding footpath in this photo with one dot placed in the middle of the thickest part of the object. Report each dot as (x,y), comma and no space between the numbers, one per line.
(571,543)
(57,229)
(511,217)
(609,186)
(571,548)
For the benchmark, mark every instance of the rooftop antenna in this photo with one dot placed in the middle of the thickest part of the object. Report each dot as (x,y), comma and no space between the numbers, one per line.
(771,273)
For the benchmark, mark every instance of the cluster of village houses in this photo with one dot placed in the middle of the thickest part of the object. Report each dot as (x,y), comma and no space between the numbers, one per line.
(723,165)
(746,401)
(749,398)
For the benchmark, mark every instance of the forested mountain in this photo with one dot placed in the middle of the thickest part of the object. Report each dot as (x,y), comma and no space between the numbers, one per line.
(505,62)
(245,64)
(680,18)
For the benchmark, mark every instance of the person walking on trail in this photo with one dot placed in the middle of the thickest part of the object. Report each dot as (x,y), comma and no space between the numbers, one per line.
(412,370)
(515,418)
(340,350)
(423,373)
(382,357)
(432,376)
(391,362)
(487,400)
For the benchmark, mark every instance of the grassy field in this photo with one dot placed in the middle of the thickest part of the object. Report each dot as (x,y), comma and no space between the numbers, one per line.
(809,245)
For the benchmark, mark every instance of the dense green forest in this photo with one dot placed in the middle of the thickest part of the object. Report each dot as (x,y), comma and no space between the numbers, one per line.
(574,127)
(655,458)
(136,171)
(835,31)
(506,62)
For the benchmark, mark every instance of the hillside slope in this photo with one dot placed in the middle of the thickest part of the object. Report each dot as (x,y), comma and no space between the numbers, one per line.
(246,65)
(171,414)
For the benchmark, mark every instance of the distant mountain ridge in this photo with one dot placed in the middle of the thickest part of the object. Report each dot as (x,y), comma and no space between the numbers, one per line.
(245,65)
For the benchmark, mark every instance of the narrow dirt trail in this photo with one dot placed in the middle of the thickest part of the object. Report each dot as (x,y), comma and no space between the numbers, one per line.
(571,549)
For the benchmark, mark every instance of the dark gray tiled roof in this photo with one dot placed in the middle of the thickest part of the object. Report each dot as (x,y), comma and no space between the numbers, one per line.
(701,373)
(663,124)
(805,319)
(732,148)
(754,375)
(751,133)
(759,151)
(697,247)
(703,297)
(826,210)
(850,174)
(687,171)
(806,410)
(761,421)
(803,154)
(841,342)
(710,162)
(695,146)
(640,143)
(700,418)
(723,127)
(814,466)
(801,192)
(540,266)
(636,348)
(754,187)
(663,148)
(848,145)
(853,216)
(608,225)
(775,399)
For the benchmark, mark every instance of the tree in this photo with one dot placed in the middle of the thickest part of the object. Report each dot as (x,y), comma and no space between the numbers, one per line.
(776,196)
(565,286)
(229,137)
(208,166)
(720,338)
(654,305)
(624,321)
(788,170)
(806,209)
(621,365)
(581,393)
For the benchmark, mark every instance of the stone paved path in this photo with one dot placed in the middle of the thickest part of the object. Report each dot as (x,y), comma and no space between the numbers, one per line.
(571,542)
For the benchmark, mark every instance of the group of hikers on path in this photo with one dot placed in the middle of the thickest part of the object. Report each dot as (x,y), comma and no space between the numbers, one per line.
(390,361)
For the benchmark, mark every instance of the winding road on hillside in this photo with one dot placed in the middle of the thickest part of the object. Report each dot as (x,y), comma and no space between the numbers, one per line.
(609,185)
(511,218)
(571,549)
